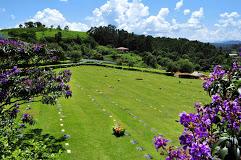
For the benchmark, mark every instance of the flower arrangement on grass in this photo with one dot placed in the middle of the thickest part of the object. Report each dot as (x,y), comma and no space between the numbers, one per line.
(213,132)
(118,131)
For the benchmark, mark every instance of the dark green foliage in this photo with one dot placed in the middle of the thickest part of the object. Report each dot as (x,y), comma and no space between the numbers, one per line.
(150,59)
(172,67)
(185,65)
(66,28)
(200,54)
(155,52)
(98,56)
(31,144)
(58,37)
(74,56)
(59,28)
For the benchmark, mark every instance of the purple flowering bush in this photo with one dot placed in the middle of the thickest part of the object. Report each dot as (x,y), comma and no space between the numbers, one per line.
(19,86)
(23,54)
(213,132)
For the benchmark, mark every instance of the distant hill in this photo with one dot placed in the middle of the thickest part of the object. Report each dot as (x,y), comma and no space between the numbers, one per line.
(227,44)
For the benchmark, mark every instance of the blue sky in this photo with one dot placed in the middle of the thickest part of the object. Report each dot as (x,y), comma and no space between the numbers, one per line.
(204,20)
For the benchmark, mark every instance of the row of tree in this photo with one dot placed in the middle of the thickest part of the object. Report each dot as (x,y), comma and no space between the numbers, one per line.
(203,55)
(31,24)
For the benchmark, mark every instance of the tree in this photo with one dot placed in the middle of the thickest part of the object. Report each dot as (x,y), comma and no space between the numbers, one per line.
(150,60)
(66,28)
(58,36)
(172,67)
(29,24)
(20,26)
(185,66)
(75,56)
(59,28)
(38,25)
(203,54)
(23,85)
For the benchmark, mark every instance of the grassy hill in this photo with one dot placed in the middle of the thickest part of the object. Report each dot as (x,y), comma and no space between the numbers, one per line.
(144,104)
(65,34)
(39,34)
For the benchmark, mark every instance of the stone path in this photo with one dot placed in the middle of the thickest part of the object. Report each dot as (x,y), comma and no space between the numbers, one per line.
(61,119)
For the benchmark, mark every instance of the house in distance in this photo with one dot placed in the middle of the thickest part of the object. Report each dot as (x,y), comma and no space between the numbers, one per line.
(122,49)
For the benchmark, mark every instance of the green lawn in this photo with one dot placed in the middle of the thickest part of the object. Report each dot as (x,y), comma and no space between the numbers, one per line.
(101,95)
(65,34)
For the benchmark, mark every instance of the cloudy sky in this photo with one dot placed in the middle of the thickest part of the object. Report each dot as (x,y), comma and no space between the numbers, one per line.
(204,20)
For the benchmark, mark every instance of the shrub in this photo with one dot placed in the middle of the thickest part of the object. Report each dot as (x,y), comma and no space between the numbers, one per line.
(185,66)
(213,132)
(150,60)
(74,56)
(163,61)
(24,85)
(172,67)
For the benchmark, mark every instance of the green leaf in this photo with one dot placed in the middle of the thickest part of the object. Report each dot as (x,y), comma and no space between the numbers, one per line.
(223,152)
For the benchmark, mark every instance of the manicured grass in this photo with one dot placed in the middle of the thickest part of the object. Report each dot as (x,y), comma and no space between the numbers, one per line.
(65,34)
(156,101)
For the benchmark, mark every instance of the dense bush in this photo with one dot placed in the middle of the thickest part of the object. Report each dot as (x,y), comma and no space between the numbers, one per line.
(130,60)
(172,67)
(18,53)
(203,54)
(213,132)
(74,56)
(185,65)
(106,50)
(19,86)
(150,59)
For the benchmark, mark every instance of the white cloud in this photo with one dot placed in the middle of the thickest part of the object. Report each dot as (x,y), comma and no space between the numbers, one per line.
(49,17)
(194,20)
(186,11)
(229,15)
(63,0)
(179,4)
(54,17)
(134,16)
(12,17)
(229,20)
(228,27)
(126,15)
(158,23)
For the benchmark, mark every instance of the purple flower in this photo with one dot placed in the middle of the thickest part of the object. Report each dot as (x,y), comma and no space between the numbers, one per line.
(216,98)
(15,70)
(160,142)
(201,132)
(218,71)
(177,154)
(68,94)
(14,112)
(27,118)
(200,151)
(187,119)
(235,66)
(186,139)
